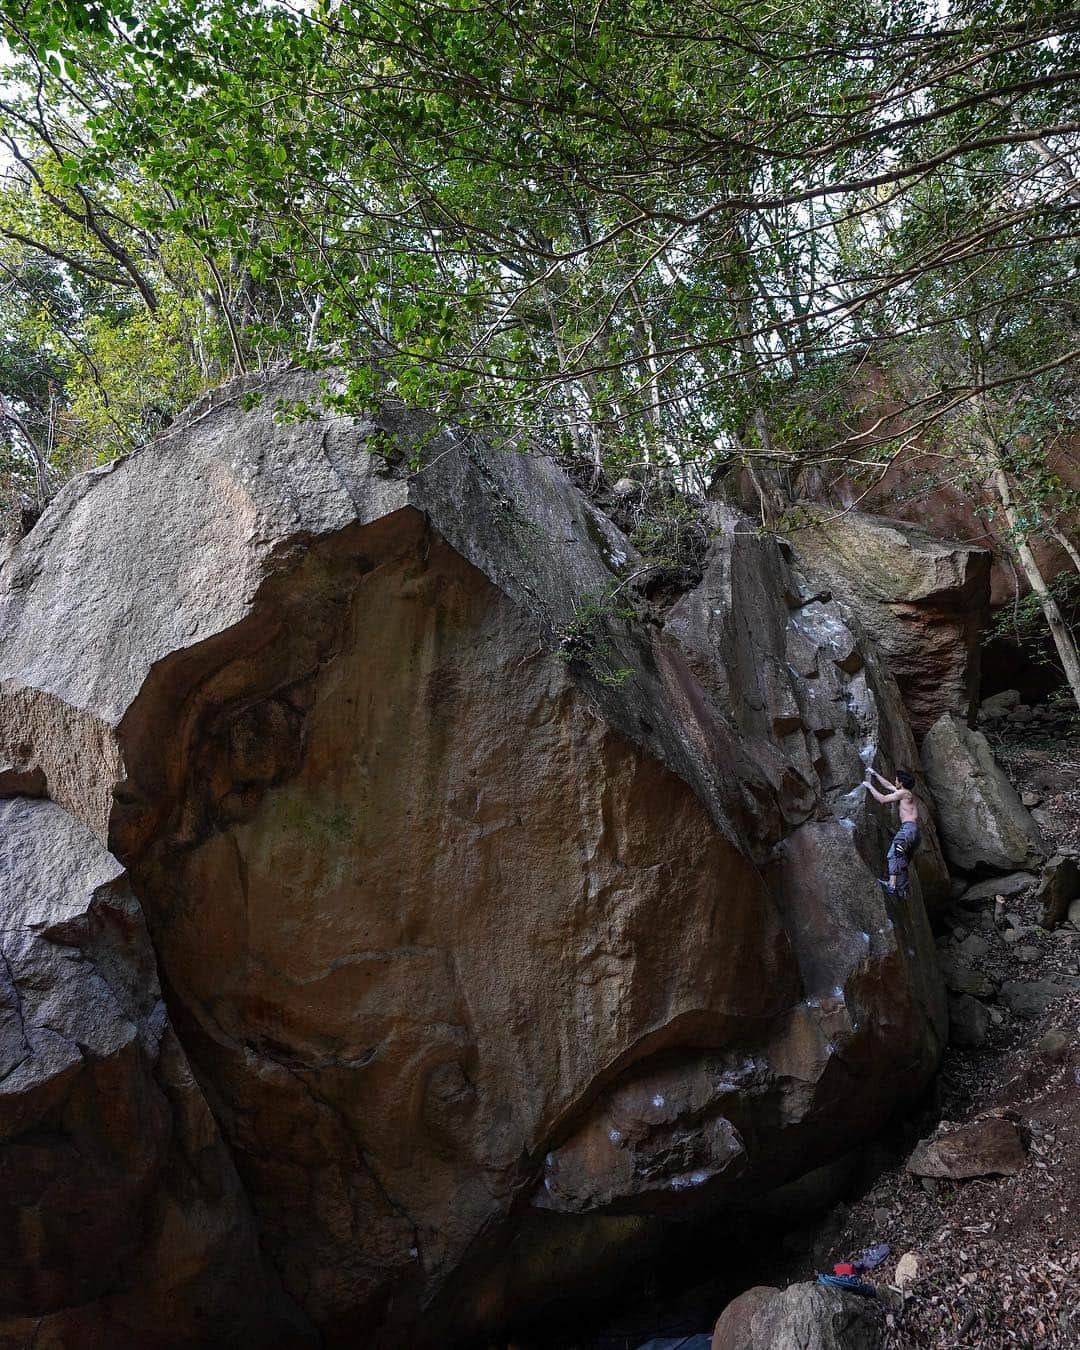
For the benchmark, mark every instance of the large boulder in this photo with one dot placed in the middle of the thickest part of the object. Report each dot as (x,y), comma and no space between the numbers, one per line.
(734,1326)
(923,600)
(811,1317)
(122,1220)
(984,825)
(483,911)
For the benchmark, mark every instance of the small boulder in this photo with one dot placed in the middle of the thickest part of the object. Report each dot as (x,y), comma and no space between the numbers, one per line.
(1074,913)
(1028,953)
(997,704)
(810,1317)
(1031,799)
(988,1147)
(733,1326)
(973,947)
(1031,999)
(969,1021)
(984,825)
(1054,1045)
(1059,886)
(961,979)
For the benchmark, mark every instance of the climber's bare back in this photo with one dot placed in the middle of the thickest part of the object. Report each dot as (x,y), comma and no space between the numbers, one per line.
(908,806)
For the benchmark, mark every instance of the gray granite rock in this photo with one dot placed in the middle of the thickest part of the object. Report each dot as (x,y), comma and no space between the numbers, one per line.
(984,825)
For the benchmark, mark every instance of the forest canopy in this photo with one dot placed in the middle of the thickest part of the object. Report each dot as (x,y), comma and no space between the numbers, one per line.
(639,234)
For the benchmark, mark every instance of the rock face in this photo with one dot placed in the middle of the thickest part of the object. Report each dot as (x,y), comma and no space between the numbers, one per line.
(122,1220)
(923,600)
(984,825)
(466,941)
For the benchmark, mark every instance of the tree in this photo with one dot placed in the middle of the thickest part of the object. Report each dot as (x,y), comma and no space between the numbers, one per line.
(640,234)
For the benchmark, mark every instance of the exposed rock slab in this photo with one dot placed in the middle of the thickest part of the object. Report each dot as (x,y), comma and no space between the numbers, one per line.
(923,600)
(122,1221)
(984,826)
(439,910)
(1008,886)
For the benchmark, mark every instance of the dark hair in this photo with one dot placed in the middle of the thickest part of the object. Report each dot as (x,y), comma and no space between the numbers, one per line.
(905,778)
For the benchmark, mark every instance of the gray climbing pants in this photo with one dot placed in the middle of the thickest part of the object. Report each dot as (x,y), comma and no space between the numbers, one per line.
(901,851)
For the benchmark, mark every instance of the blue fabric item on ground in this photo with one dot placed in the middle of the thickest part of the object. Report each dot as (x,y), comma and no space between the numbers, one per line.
(872,1257)
(901,851)
(851,1284)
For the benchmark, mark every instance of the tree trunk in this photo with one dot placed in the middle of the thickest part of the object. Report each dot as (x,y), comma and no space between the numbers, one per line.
(767,483)
(1069,547)
(1059,629)
(650,374)
(41,468)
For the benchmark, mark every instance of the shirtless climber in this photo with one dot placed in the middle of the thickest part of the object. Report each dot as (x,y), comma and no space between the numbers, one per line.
(906,839)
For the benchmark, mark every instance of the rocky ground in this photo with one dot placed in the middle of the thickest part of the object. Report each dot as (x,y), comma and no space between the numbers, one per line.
(995,1259)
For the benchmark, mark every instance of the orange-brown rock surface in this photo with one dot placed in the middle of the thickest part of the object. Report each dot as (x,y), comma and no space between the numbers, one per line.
(462,939)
